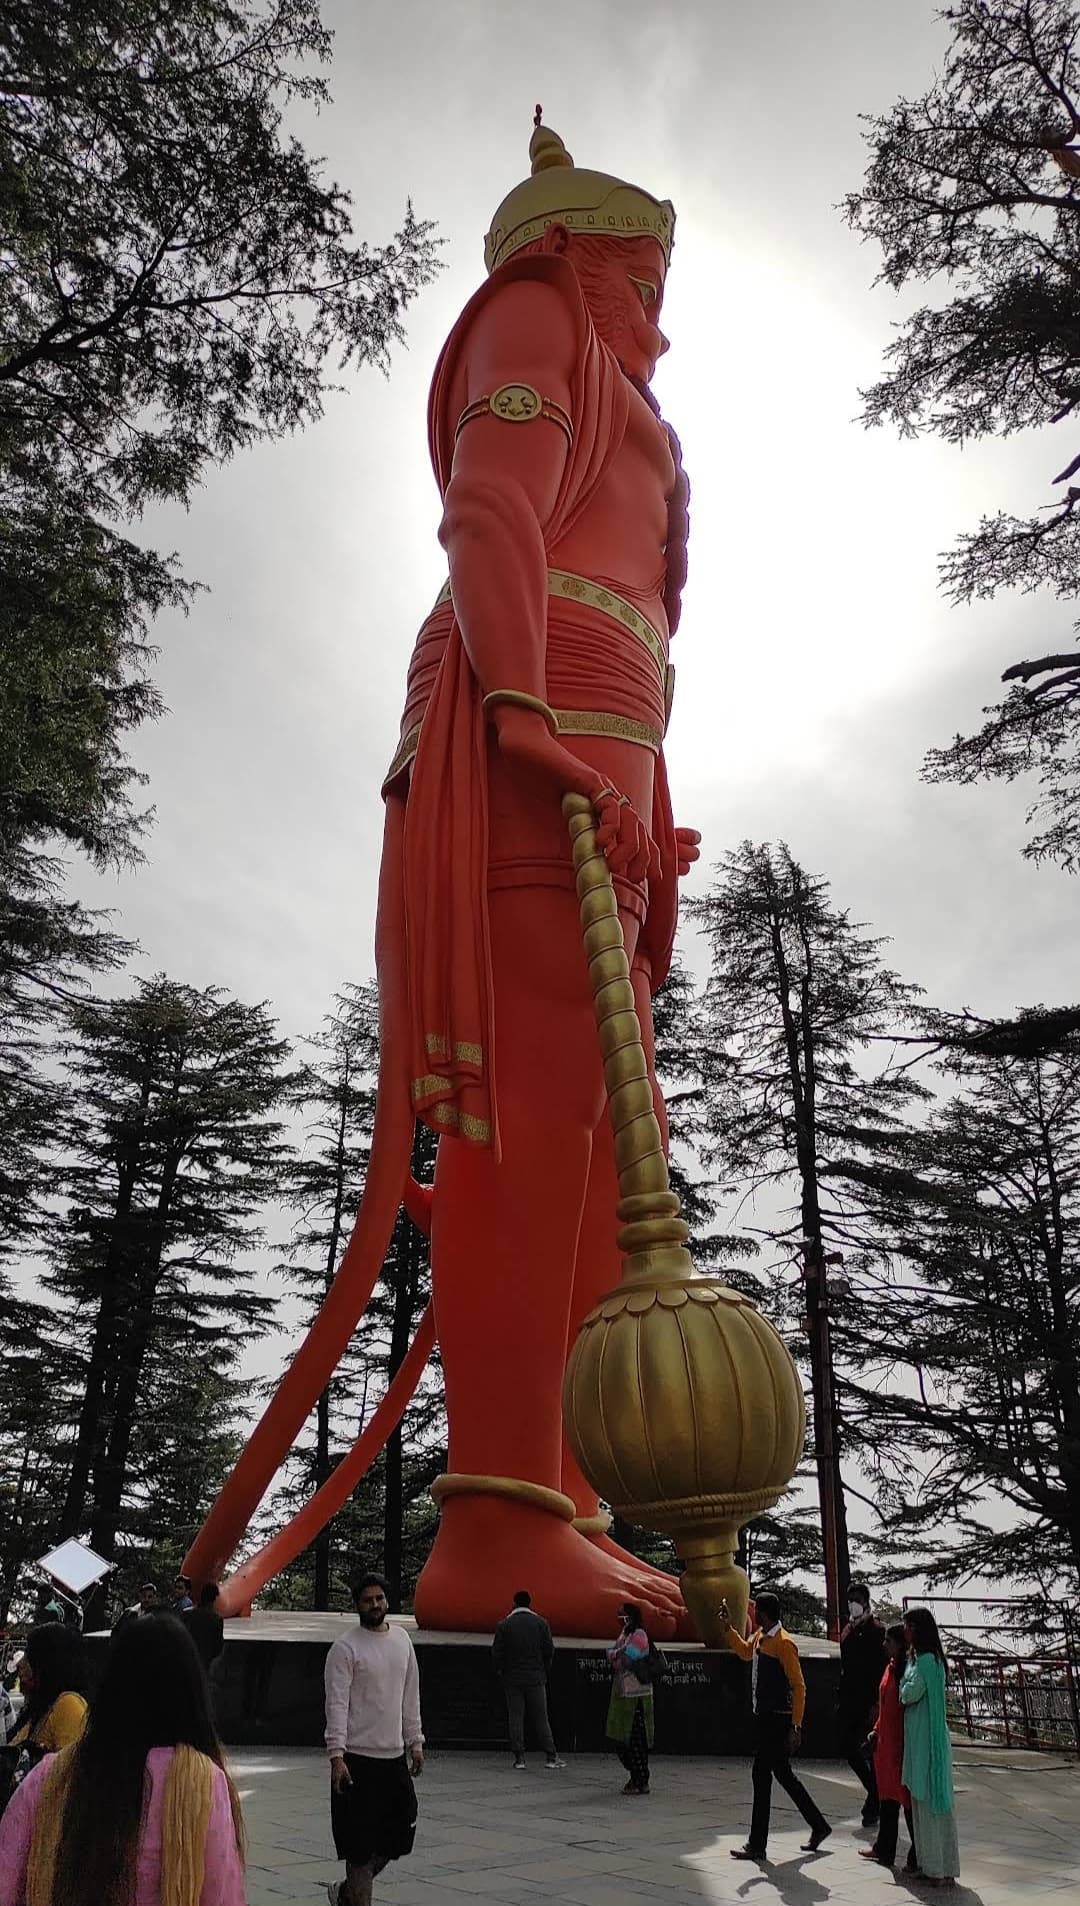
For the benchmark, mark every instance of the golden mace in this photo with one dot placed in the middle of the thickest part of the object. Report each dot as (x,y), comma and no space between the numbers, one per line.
(682,1404)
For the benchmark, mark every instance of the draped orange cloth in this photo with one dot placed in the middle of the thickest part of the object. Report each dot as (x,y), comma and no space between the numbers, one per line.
(451,1002)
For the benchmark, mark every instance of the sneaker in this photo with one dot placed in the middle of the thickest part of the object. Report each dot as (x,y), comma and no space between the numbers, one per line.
(519,1764)
(555,1766)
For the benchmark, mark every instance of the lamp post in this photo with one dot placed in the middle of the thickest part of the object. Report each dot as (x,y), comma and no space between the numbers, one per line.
(816,1262)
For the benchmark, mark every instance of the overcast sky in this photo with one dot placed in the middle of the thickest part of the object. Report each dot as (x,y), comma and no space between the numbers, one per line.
(815,661)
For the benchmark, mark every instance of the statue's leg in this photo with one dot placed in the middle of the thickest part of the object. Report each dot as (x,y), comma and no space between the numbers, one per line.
(504,1241)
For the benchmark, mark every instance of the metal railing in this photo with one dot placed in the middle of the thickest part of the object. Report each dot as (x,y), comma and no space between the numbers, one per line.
(1018,1701)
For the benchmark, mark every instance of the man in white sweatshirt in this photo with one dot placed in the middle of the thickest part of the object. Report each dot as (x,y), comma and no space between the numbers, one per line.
(375,1744)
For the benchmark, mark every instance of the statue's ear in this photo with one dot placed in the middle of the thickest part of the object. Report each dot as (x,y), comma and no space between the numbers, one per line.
(556,239)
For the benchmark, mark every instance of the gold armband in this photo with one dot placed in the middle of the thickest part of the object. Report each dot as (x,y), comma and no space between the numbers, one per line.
(519,699)
(516,404)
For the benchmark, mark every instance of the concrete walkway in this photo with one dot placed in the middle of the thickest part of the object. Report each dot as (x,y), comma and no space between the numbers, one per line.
(504,1839)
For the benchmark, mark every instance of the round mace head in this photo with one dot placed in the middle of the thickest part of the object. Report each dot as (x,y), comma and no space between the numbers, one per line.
(682,1402)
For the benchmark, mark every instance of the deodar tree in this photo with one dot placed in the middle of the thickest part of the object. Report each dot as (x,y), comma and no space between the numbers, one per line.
(799,996)
(969,1343)
(172,1148)
(179,280)
(973,189)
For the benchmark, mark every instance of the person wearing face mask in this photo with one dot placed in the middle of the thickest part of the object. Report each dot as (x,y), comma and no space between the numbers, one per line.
(863,1658)
(374,1742)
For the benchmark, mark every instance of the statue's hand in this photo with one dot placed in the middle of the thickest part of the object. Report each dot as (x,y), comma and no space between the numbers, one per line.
(524,737)
(622,836)
(688,847)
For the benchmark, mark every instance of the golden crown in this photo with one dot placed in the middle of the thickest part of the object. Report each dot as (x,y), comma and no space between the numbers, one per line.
(558,192)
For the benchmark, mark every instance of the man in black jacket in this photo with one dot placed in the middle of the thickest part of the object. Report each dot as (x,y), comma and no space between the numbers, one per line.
(523,1651)
(205,1626)
(862,1664)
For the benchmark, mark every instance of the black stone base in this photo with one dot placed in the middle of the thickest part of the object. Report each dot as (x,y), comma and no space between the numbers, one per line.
(268,1690)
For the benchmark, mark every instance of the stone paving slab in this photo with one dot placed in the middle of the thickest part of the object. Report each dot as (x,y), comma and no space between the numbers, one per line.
(533,1839)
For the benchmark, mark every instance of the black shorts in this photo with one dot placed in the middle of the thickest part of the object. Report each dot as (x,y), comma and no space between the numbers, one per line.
(375,1818)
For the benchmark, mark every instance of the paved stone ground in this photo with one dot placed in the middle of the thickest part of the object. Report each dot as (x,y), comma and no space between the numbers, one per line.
(505,1839)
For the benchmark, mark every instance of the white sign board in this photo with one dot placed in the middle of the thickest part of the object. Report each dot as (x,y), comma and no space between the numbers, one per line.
(74,1566)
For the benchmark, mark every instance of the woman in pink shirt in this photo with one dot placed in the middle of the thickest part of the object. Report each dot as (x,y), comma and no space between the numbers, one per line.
(140,1809)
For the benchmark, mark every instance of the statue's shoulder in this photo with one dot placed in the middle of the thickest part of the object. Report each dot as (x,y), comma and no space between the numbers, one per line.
(521,292)
(527,321)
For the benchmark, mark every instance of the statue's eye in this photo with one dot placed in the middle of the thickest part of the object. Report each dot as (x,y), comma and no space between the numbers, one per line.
(645,290)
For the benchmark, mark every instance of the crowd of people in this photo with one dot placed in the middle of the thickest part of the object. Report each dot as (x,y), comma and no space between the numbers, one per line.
(129,1797)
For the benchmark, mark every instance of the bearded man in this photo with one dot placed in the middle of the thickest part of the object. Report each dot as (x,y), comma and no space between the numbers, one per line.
(542,668)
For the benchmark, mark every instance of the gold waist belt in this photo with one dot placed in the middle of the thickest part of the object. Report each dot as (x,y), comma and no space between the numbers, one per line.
(571,721)
(606,602)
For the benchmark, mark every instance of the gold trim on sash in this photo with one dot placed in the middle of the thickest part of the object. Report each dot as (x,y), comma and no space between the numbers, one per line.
(605,601)
(592,721)
(452,1119)
(570,721)
(464,1051)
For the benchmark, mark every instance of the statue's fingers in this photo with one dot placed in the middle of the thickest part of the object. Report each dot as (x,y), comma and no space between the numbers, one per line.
(640,857)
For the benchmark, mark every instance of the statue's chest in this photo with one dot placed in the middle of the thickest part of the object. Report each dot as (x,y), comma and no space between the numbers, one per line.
(623,528)
(643,459)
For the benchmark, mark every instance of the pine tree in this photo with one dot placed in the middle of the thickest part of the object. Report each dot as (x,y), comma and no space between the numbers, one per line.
(798,995)
(179,276)
(973,190)
(969,1347)
(687,1054)
(172,1148)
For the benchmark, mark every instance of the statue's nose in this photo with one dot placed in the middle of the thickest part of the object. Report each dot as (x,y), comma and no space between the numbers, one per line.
(665,344)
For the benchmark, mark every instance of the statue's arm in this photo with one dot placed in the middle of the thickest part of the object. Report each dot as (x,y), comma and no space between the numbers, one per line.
(503,488)
(504,485)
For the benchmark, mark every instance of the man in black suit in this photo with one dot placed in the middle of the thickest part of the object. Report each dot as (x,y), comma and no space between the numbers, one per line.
(862,1664)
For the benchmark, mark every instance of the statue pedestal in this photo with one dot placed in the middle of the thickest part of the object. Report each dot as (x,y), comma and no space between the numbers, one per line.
(268,1689)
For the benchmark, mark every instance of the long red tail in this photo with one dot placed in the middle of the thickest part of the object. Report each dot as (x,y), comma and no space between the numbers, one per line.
(283,1548)
(326,1341)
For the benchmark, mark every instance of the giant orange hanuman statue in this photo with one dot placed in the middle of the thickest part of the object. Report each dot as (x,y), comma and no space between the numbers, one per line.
(541,673)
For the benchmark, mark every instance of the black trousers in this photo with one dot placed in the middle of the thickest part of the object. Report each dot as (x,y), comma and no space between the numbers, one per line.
(852,1730)
(635,1753)
(772,1761)
(888,1831)
(530,1703)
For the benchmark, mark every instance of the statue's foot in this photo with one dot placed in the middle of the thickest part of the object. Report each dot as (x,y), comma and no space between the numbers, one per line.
(649,1576)
(487,1548)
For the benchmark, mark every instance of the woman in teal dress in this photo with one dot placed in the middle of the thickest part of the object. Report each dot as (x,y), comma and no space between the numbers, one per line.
(928,1751)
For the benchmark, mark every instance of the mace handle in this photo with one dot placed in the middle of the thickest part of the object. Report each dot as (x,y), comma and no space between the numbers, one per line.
(648,1208)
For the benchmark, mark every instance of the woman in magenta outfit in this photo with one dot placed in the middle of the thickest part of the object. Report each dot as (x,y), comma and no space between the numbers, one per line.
(140,1809)
(887,1740)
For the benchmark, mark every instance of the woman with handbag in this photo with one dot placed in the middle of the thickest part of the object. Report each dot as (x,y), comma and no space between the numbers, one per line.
(52,1680)
(630,1710)
(141,1807)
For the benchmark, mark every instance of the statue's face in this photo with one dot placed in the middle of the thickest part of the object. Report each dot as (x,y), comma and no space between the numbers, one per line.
(623,283)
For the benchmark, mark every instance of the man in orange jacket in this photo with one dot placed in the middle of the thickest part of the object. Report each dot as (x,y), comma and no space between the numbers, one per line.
(779,1701)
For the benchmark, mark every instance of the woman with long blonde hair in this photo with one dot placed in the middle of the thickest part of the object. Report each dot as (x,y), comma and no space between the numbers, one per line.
(140,1811)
